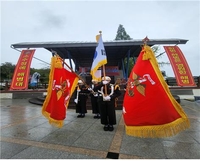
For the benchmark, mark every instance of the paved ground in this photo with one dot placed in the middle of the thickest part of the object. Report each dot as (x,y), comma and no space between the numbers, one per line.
(26,134)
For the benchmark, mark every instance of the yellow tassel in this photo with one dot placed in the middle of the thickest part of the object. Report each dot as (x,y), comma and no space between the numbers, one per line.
(54,63)
(97,37)
(49,89)
(56,123)
(58,63)
(147,54)
(158,131)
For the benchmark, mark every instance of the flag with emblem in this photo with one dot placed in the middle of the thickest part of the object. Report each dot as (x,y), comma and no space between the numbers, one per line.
(149,109)
(99,60)
(62,83)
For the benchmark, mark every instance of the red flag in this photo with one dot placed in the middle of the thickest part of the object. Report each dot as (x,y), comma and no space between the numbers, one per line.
(62,84)
(149,109)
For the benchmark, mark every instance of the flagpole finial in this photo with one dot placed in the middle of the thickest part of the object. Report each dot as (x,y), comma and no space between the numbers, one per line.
(100,32)
(145,40)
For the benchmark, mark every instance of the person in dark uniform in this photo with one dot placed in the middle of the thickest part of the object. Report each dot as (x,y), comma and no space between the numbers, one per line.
(81,94)
(117,87)
(106,101)
(94,99)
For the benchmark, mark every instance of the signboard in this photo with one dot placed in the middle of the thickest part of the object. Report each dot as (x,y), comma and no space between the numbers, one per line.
(180,66)
(21,75)
(110,70)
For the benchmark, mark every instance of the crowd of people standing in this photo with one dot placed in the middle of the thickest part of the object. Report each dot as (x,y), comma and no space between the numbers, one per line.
(103,97)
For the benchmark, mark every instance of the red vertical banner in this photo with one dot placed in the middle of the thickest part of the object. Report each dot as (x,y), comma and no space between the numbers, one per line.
(22,70)
(180,66)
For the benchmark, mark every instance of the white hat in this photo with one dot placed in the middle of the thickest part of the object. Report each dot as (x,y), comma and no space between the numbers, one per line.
(106,78)
(80,81)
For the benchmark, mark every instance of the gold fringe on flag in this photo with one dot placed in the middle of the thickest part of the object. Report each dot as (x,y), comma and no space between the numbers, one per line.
(55,63)
(165,130)
(159,131)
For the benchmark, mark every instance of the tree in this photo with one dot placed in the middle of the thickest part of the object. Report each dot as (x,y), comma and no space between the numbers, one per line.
(156,51)
(131,64)
(7,70)
(121,34)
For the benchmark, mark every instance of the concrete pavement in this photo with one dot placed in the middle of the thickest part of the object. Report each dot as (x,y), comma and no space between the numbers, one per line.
(26,134)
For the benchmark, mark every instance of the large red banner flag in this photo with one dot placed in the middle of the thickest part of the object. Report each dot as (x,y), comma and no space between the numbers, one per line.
(62,84)
(22,70)
(149,109)
(180,66)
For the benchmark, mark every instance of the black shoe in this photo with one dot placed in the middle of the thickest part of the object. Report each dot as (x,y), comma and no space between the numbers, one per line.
(79,116)
(110,128)
(105,128)
(96,117)
(82,115)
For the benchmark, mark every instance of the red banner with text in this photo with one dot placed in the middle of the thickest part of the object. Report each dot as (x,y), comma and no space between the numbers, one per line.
(180,66)
(112,70)
(22,70)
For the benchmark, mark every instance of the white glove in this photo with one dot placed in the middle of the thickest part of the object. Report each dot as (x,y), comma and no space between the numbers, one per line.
(89,89)
(106,98)
(76,101)
(105,82)
(78,90)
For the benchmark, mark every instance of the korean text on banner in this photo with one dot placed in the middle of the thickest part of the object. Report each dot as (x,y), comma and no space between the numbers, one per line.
(180,66)
(22,70)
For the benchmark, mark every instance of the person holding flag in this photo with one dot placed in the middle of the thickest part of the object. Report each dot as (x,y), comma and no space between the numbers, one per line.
(94,99)
(149,109)
(81,94)
(106,100)
(107,93)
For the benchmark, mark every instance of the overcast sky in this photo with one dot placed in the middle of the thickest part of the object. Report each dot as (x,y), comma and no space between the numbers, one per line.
(45,21)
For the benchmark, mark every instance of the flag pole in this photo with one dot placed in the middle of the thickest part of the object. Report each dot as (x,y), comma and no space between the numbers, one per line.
(55,53)
(104,73)
(145,40)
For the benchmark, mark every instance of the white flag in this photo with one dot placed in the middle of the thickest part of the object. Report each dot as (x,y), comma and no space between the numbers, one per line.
(99,58)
